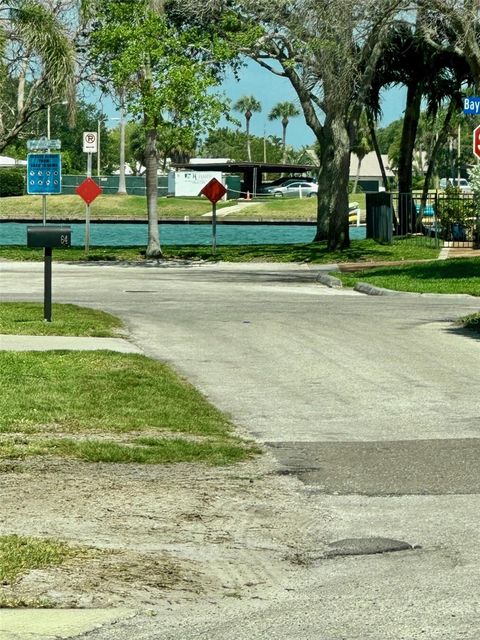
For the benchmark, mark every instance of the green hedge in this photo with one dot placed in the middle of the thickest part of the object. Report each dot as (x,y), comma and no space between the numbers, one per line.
(12,182)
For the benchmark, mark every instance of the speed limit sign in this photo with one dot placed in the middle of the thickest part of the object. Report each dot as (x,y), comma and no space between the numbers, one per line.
(90,140)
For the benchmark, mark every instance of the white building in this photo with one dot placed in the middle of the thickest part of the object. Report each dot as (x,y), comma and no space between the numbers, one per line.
(370,175)
(6,161)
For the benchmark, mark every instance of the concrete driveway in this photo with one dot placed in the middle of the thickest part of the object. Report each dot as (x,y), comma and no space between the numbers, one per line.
(373,403)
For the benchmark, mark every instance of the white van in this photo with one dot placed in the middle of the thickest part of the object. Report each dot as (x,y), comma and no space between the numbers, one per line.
(460,183)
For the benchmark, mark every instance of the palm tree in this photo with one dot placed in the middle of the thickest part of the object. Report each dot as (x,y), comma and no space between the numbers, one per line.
(428,74)
(44,64)
(248,105)
(284,111)
(362,146)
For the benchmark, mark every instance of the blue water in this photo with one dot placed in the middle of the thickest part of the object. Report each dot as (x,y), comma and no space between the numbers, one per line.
(124,234)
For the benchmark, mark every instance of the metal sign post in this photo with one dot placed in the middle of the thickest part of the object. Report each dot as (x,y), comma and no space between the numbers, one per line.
(87,209)
(214,227)
(48,237)
(214,191)
(90,144)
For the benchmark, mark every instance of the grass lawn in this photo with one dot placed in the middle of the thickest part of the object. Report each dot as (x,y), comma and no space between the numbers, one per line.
(26,318)
(287,208)
(104,207)
(117,207)
(108,407)
(359,251)
(459,275)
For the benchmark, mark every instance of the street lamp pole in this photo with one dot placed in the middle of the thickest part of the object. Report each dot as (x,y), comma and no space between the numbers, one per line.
(122,188)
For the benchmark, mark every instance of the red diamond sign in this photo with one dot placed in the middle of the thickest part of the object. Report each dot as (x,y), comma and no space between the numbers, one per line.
(213,190)
(88,190)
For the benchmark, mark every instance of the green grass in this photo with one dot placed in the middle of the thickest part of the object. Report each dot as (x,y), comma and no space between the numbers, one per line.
(133,450)
(109,206)
(112,206)
(287,208)
(26,318)
(20,554)
(460,275)
(359,251)
(51,400)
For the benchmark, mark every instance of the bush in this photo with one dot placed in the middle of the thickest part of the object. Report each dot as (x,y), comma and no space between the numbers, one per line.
(12,182)
(454,212)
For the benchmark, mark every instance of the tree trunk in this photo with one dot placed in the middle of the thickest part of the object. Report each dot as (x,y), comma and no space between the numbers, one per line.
(332,215)
(284,140)
(247,127)
(407,213)
(373,137)
(439,142)
(357,177)
(151,164)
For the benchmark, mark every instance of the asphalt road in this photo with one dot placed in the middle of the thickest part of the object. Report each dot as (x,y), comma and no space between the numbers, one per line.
(372,402)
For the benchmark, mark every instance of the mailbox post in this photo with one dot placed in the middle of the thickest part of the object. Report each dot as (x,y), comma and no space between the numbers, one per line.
(48,237)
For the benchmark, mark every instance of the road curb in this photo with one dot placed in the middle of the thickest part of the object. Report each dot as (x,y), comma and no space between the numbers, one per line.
(329,281)
(370,290)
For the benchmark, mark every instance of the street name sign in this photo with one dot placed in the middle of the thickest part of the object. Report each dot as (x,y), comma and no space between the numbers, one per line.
(44,144)
(44,173)
(471,105)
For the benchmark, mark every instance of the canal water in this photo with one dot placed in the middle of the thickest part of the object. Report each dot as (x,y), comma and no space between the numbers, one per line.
(127,234)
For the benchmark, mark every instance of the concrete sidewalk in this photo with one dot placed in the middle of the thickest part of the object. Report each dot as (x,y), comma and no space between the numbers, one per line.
(56,624)
(75,343)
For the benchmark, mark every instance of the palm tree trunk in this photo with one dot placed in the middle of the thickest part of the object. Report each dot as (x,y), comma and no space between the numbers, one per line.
(151,165)
(357,177)
(407,212)
(247,127)
(439,142)
(284,141)
(376,147)
(332,215)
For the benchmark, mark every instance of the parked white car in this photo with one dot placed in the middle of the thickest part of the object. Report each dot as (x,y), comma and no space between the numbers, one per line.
(460,183)
(293,189)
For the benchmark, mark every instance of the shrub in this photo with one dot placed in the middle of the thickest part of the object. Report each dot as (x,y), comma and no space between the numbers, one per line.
(454,210)
(12,182)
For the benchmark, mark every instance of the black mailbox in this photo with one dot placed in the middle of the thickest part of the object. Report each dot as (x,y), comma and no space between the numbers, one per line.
(49,236)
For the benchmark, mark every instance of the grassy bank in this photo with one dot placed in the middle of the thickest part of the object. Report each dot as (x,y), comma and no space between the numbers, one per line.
(105,207)
(315,253)
(460,276)
(117,207)
(26,318)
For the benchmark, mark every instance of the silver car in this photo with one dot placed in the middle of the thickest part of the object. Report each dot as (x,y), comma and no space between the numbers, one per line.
(298,189)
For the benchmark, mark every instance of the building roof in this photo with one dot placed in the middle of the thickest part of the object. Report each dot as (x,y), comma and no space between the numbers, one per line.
(231,166)
(370,167)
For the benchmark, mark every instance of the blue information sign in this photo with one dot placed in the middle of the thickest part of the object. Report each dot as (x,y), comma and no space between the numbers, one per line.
(471,105)
(44,173)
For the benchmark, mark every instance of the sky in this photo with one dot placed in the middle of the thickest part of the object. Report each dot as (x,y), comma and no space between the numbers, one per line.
(269,89)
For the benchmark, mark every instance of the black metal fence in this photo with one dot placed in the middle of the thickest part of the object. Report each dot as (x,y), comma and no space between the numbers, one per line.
(440,219)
